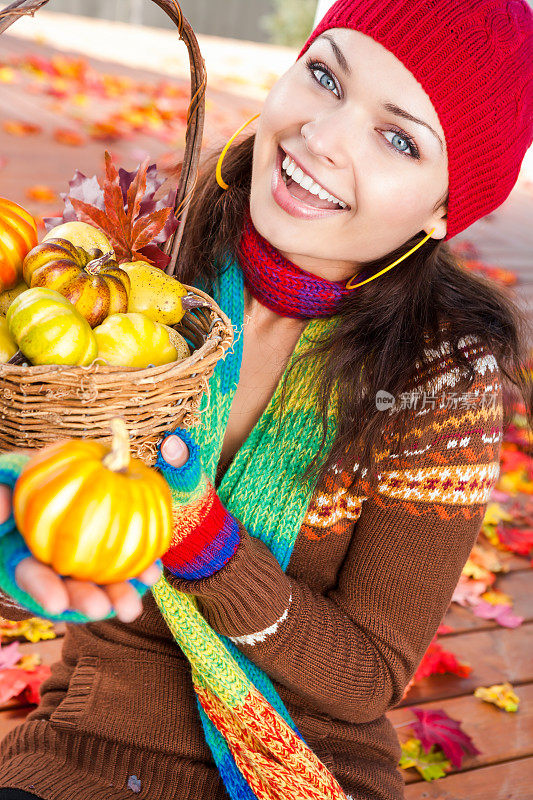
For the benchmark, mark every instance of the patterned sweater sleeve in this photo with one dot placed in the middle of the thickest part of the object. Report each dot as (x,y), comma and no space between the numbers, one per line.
(351,651)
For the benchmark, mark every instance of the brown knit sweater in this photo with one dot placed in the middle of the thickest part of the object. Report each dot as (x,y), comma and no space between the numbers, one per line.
(341,633)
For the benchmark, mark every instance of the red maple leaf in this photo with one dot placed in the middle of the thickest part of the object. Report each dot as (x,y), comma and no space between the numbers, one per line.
(518,540)
(128,230)
(22,683)
(437,661)
(435,727)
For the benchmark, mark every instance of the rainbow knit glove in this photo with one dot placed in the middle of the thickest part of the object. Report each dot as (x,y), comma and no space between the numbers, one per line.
(206,535)
(13,549)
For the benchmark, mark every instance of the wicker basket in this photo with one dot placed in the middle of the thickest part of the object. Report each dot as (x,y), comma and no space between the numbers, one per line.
(42,404)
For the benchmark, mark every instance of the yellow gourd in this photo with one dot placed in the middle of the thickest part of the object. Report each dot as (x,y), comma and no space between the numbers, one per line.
(156,294)
(91,513)
(81,234)
(49,330)
(8,347)
(134,340)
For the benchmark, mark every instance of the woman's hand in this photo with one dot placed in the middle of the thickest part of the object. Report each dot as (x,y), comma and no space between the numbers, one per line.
(55,593)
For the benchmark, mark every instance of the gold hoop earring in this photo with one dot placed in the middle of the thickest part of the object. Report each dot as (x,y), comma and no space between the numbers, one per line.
(220,181)
(412,250)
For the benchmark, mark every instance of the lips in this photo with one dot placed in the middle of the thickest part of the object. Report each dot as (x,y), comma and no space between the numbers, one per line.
(293,204)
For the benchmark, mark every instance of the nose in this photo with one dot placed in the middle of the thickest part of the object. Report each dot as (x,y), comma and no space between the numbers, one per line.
(325,139)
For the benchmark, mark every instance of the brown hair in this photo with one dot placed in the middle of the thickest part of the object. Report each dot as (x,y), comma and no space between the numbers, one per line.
(386,324)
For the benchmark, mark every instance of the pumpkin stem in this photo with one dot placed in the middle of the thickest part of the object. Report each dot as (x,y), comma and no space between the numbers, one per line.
(94,266)
(119,456)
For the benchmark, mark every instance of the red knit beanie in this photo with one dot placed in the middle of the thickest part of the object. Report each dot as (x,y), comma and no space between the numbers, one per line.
(474,59)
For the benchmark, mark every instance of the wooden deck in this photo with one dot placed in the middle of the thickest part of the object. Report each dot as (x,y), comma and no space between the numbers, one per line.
(504,769)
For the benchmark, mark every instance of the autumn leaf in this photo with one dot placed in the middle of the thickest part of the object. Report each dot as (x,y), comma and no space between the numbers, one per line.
(41,193)
(502,614)
(128,229)
(478,572)
(487,558)
(495,597)
(494,514)
(518,540)
(500,694)
(69,137)
(35,678)
(468,592)
(438,661)
(12,682)
(29,662)
(435,727)
(107,131)
(9,655)
(33,629)
(17,127)
(431,765)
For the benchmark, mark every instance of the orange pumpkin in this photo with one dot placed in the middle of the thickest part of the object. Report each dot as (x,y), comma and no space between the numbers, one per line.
(18,234)
(92,513)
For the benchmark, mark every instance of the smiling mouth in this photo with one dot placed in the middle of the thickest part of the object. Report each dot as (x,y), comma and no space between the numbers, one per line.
(304,188)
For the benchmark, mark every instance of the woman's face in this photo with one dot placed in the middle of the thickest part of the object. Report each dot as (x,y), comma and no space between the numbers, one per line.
(329,118)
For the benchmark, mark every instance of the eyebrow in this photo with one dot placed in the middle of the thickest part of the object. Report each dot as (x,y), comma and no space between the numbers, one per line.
(388,106)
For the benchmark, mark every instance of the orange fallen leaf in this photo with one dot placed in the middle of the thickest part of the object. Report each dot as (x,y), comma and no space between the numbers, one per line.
(16,127)
(106,131)
(68,136)
(41,193)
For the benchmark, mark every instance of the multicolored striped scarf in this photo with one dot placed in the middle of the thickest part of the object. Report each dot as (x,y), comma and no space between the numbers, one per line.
(255,744)
(280,285)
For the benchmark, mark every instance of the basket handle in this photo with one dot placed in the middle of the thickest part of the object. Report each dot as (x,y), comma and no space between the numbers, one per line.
(186,178)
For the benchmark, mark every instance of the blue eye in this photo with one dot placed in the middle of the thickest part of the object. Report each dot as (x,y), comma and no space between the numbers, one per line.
(324,77)
(411,150)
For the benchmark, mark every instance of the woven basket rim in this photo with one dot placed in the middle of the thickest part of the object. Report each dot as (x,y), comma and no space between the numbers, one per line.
(221,334)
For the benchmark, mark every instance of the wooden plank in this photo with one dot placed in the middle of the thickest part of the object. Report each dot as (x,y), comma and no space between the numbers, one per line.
(507,781)
(518,584)
(495,656)
(499,735)
(12,717)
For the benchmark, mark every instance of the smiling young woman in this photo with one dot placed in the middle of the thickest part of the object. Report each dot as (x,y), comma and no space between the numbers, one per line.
(321,538)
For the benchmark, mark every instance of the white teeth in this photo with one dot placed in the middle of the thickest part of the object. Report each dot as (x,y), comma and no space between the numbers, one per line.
(306,182)
(298,175)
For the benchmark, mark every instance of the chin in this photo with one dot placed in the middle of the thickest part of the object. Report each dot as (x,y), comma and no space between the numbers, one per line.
(282,233)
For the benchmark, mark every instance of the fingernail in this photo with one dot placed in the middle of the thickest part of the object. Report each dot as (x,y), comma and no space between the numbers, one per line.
(53,608)
(172,447)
